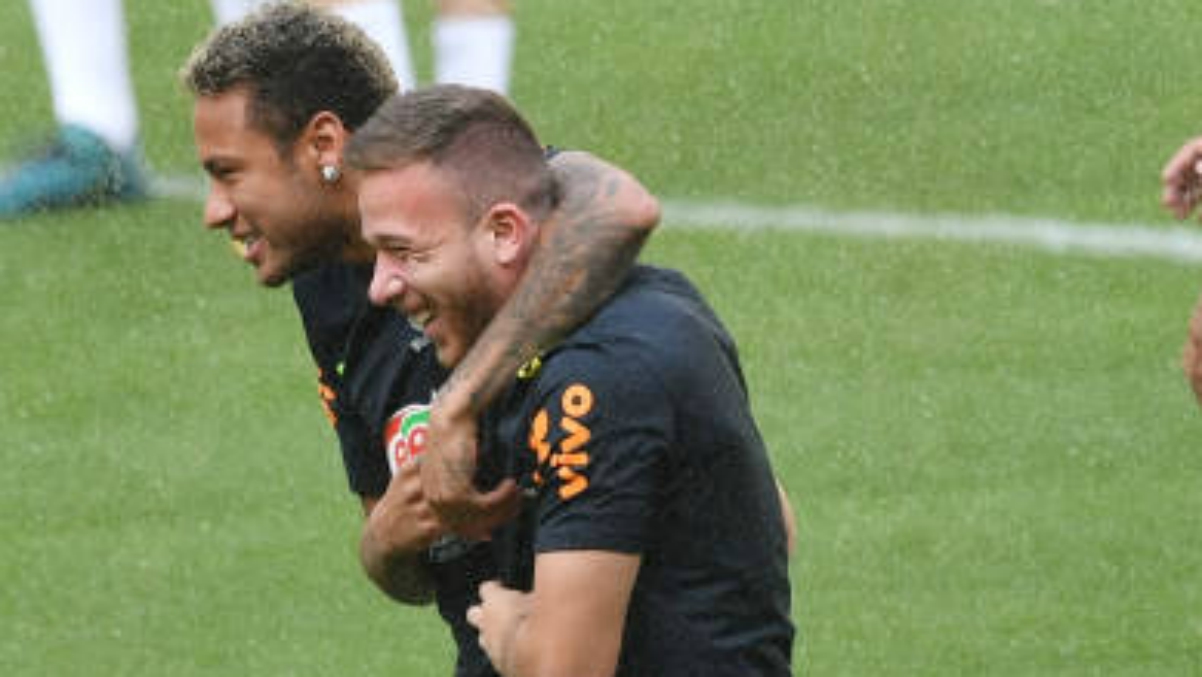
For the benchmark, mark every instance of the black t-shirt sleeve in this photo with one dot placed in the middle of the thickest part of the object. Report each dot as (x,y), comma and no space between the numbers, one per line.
(366,472)
(599,431)
(366,465)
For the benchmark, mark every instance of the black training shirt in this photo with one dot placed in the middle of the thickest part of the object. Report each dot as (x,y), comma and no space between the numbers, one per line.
(636,436)
(377,376)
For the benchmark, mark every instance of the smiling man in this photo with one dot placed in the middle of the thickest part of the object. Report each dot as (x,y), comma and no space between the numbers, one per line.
(652,540)
(276,98)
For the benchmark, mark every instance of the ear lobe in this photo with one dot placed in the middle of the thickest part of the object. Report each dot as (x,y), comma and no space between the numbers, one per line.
(324,139)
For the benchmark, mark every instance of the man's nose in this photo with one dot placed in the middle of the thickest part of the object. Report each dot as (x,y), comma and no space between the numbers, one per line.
(386,283)
(219,210)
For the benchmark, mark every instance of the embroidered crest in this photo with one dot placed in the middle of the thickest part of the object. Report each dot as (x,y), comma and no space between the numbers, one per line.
(405,434)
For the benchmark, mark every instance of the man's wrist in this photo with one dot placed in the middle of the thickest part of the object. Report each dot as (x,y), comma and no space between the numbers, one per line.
(507,646)
(452,404)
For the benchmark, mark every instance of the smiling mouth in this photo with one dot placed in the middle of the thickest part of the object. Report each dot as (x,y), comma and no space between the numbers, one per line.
(243,245)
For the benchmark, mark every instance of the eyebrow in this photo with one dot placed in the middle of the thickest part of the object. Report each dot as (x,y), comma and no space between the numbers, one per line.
(387,240)
(215,162)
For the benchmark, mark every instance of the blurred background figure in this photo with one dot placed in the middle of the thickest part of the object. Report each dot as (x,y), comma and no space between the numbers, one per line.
(1182,182)
(94,156)
(473,39)
(473,43)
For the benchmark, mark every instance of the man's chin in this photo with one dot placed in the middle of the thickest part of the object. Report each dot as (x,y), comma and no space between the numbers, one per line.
(271,278)
(277,275)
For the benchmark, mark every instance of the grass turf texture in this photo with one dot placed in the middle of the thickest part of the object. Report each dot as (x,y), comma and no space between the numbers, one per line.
(992,452)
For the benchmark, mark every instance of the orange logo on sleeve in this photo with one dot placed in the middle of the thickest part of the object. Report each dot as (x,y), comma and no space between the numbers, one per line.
(328,396)
(577,400)
(538,436)
(571,459)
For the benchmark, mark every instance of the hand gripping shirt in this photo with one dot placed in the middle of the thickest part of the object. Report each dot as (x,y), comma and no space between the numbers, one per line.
(377,376)
(635,435)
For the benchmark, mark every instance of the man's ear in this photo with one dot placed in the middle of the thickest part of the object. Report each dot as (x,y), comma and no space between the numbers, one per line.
(510,232)
(322,140)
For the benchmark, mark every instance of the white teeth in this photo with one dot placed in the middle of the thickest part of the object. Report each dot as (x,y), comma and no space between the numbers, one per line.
(243,245)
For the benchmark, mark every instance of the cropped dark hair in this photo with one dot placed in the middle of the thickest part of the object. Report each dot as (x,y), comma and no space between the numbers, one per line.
(295,61)
(475,134)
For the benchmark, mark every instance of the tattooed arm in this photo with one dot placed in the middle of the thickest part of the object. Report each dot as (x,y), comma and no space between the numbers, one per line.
(583,255)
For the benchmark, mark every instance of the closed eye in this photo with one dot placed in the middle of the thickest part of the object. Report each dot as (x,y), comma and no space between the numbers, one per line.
(219,172)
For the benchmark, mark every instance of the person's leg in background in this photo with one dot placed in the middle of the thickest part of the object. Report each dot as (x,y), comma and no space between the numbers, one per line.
(473,39)
(473,43)
(94,157)
(382,20)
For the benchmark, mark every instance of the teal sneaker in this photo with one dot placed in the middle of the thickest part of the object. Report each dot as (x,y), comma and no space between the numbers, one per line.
(77,169)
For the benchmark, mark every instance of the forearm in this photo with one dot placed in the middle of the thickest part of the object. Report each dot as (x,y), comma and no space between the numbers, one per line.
(400,574)
(571,623)
(584,253)
(521,653)
(788,517)
(512,657)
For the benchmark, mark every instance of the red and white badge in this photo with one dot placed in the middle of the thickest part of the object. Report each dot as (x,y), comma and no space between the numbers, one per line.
(405,434)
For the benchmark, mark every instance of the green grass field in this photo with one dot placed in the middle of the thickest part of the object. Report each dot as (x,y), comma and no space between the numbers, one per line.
(993,455)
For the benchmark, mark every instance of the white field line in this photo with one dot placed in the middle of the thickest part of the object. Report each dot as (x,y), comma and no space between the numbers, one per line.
(179,186)
(1108,240)
(1179,244)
